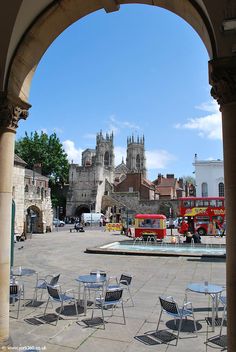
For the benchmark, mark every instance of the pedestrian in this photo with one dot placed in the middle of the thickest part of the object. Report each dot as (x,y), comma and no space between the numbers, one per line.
(210,228)
(223,231)
(183,229)
(189,237)
(218,229)
(196,238)
(215,228)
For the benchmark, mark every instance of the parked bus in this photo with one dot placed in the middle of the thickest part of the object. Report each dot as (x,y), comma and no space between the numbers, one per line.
(150,225)
(200,211)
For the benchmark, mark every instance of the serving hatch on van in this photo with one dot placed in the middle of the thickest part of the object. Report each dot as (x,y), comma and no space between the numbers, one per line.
(150,225)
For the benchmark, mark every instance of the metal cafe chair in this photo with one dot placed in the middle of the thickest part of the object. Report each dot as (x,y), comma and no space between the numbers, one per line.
(55,294)
(124,282)
(41,284)
(111,300)
(223,301)
(16,293)
(96,287)
(170,307)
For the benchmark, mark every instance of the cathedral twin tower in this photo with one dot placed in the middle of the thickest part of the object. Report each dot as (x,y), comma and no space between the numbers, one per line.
(135,159)
(88,182)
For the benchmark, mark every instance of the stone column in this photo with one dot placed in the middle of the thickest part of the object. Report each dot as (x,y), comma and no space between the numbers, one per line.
(222,73)
(9,117)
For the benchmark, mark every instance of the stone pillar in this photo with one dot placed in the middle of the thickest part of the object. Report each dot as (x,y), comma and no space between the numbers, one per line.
(9,117)
(222,74)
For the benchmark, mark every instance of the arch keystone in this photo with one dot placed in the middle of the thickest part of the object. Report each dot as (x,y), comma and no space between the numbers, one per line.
(110,5)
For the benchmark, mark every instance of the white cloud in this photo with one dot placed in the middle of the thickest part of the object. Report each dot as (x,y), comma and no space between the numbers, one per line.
(72,152)
(155,159)
(210,106)
(158,159)
(116,125)
(208,126)
(120,152)
(58,130)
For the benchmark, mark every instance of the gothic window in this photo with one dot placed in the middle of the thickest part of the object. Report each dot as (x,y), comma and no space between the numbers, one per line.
(221,189)
(26,188)
(204,189)
(106,159)
(38,190)
(138,162)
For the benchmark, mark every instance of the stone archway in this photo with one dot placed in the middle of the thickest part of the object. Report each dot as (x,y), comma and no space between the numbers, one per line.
(59,16)
(210,22)
(34,223)
(83,208)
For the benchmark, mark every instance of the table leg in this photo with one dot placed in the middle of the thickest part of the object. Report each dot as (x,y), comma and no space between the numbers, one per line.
(79,291)
(217,305)
(85,300)
(213,312)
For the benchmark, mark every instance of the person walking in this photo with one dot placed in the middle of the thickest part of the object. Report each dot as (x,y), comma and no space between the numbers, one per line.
(210,228)
(183,229)
(223,231)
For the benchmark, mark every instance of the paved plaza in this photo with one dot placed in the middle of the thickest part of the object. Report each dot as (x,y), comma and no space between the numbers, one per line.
(64,252)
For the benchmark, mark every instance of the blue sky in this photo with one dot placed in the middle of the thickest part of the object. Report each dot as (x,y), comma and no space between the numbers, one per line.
(139,71)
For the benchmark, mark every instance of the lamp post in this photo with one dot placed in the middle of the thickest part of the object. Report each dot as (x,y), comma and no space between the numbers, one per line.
(31,222)
(57,211)
(12,231)
(171,221)
(91,206)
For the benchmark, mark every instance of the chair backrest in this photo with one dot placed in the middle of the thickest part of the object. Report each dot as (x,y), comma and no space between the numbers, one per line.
(169,306)
(53,292)
(102,273)
(113,295)
(14,289)
(125,279)
(54,280)
(223,300)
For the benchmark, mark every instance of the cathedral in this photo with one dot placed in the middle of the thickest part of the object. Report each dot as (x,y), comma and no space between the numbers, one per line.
(97,174)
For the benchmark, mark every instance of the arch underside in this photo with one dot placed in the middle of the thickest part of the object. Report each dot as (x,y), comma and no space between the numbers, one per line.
(60,15)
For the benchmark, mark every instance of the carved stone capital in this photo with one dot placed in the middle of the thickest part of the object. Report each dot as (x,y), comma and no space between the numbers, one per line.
(222,77)
(11,113)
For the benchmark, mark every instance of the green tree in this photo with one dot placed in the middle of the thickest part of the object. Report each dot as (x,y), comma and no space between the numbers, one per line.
(48,151)
(189,179)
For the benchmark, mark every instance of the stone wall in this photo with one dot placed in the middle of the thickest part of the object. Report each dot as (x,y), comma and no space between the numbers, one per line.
(18,196)
(132,202)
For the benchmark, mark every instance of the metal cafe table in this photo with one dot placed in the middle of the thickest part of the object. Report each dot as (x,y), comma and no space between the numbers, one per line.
(86,280)
(208,289)
(19,271)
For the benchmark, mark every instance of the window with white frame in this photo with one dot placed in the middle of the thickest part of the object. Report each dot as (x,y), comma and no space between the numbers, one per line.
(204,189)
(221,189)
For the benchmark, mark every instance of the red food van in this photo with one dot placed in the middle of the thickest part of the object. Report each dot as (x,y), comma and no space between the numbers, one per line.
(150,225)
